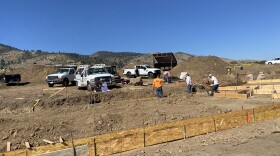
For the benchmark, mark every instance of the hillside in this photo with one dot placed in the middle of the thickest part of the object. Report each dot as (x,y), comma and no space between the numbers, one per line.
(16,58)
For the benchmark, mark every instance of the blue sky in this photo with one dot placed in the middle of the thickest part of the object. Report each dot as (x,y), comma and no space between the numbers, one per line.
(236,29)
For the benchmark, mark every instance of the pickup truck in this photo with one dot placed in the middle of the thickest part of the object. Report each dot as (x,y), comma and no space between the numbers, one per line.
(273,61)
(10,79)
(61,76)
(141,70)
(89,77)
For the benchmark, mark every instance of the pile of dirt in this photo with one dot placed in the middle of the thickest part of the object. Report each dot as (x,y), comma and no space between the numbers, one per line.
(271,71)
(34,73)
(199,67)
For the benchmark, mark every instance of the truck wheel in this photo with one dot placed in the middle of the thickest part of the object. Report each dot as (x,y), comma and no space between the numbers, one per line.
(65,82)
(150,75)
(128,74)
(269,63)
(89,88)
(50,85)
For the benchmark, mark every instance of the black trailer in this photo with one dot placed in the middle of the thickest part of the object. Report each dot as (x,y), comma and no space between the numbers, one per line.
(165,60)
(10,79)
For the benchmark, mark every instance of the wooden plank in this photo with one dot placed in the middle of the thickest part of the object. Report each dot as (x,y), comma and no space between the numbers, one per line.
(131,139)
(264,91)
(233,95)
(267,115)
(275,96)
(263,81)
(234,88)
(8,146)
(227,123)
(165,135)
(194,129)
(119,141)
(48,141)
(57,92)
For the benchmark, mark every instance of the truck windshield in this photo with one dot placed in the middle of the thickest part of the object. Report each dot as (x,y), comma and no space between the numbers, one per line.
(62,71)
(93,71)
(111,70)
(149,66)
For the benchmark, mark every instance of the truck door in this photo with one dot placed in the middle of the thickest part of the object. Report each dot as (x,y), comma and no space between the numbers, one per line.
(79,73)
(71,75)
(142,70)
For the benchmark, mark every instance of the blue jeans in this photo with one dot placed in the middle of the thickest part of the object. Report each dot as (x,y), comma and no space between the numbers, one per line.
(159,92)
(165,77)
(189,87)
(214,89)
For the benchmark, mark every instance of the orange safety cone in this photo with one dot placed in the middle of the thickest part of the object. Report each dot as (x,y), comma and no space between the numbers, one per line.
(249,118)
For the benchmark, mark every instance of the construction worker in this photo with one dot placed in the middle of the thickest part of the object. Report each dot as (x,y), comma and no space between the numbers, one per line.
(166,75)
(189,84)
(157,84)
(214,84)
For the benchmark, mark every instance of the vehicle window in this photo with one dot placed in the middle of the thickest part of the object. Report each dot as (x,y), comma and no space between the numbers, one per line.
(79,71)
(62,71)
(149,66)
(93,71)
(111,70)
(71,71)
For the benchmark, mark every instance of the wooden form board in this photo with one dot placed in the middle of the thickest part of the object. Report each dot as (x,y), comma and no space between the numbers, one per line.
(234,95)
(263,81)
(263,91)
(235,88)
(275,96)
(117,142)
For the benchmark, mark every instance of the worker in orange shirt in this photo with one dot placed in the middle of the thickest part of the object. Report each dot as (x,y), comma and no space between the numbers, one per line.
(157,84)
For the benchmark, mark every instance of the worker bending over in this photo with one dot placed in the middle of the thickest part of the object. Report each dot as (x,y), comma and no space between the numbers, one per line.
(214,84)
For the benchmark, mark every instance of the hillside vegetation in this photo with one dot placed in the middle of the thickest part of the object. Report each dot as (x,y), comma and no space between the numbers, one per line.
(12,57)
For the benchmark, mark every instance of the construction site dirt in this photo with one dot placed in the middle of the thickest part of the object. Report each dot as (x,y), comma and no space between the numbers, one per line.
(34,112)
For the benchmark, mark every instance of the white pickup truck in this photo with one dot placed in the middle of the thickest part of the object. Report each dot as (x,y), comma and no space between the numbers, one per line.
(87,77)
(273,61)
(61,76)
(141,70)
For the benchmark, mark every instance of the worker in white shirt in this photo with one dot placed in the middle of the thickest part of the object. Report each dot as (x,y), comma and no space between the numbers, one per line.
(189,84)
(214,84)
(166,75)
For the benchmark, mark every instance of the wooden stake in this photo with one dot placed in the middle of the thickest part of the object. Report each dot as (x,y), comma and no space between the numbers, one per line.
(61,140)
(94,146)
(215,124)
(185,132)
(254,114)
(27,145)
(8,146)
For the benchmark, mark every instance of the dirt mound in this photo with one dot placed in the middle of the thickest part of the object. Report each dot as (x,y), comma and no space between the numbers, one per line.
(271,71)
(33,73)
(200,66)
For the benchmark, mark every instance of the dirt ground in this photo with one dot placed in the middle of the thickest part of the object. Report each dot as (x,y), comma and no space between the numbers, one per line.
(124,107)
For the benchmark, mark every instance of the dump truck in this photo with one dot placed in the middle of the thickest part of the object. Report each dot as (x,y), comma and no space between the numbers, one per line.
(10,79)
